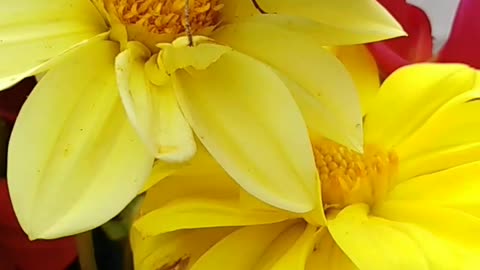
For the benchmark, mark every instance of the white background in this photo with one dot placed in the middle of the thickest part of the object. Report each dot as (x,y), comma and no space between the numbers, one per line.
(441,14)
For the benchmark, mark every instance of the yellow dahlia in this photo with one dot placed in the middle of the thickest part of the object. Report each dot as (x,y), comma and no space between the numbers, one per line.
(127,79)
(410,201)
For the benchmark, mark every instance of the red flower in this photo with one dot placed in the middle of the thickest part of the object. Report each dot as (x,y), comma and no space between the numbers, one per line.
(19,253)
(462,46)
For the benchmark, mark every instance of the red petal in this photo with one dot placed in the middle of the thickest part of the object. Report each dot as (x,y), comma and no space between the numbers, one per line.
(24,254)
(387,59)
(464,43)
(416,47)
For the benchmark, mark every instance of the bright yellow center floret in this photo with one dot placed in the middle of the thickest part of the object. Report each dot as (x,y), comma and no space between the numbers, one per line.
(348,177)
(167,16)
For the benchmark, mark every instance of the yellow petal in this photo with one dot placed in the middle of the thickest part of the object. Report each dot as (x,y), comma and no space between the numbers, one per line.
(280,246)
(365,18)
(151,108)
(451,137)
(296,256)
(34,32)
(201,165)
(174,249)
(73,150)
(234,10)
(241,249)
(179,54)
(439,251)
(200,177)
(372,243)
(160,171)
(440,254)
(363,69)
(409,97)
(327,255)
(201,195)
(477,81)
(339,31)
(190,213)
(321,85)
(249,122)
(460,230)
(457,188)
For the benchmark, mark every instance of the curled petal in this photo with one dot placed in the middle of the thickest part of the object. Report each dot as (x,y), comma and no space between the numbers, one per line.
(152,108)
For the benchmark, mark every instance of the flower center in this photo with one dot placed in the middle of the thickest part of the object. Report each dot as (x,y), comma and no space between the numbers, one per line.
(348,177)
(167,16)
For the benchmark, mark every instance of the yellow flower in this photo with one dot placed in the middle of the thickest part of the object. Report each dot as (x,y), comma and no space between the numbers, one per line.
(128,78)
(410,201)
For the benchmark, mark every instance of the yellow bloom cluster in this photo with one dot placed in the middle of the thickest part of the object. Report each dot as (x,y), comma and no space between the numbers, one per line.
(258,129)
(131,82)
(409,201)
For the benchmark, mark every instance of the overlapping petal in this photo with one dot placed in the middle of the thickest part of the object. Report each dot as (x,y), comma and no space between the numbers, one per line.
(363,20)
(318,81)
(327,255)
(295,257)
(242,249)
(457,187)
(456,230)
(283,245)
(409,97)
(374,243)
(74,159)
(178,249)
(186,201)
(449,138)
(234,10)
(191,213)
(363,69)
(34,32)
(246,118)
(201,165)
(151,108)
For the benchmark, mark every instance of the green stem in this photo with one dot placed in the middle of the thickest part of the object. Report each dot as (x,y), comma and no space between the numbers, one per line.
(85,250)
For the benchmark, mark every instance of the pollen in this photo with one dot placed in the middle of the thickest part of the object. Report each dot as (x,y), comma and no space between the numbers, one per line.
(167,16)
(349,177)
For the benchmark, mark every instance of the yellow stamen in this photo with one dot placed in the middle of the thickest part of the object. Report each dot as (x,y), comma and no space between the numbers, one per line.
(167,16)
(348,177)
